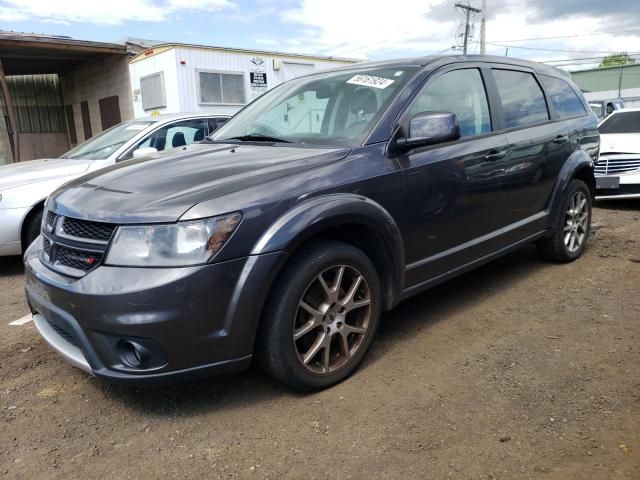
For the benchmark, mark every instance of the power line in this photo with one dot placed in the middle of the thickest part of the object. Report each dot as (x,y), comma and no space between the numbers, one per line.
(574,61)
(557,50)
(569,36)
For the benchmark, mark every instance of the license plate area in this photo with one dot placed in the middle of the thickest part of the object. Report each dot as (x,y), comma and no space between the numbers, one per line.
(607,183)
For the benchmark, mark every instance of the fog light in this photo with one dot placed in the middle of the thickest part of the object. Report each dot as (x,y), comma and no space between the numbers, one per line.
(133,354)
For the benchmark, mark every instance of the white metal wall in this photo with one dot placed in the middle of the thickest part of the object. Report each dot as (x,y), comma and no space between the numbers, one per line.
(160,62)
(181,64)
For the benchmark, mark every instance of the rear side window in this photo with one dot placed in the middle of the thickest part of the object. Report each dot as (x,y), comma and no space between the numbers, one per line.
(522,98)
(564,98)
(621,122)
(461,92)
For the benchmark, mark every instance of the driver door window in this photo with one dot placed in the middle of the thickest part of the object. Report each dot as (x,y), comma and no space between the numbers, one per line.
(460,92)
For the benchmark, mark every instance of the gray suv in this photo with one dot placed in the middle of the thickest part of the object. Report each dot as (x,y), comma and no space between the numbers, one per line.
(326,201)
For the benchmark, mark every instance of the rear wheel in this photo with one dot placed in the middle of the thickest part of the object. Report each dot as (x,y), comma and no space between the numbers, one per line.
(321,317)
(572,228)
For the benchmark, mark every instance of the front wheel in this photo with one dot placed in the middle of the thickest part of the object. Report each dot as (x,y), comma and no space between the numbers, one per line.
(321,316)
(572,227)
(31,228)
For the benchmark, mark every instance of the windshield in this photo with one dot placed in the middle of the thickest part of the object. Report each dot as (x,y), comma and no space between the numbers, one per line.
(107,142)
(333,108)
(621,122)
(597,109)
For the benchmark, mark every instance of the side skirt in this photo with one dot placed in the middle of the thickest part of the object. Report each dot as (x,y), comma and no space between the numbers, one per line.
(432,282)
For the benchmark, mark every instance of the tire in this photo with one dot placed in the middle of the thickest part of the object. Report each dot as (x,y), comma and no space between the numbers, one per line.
(326,322)
(31,228)
(572,227)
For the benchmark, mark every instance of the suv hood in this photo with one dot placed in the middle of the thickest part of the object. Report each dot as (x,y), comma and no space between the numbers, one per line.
(163,186)
(620,143)
(33,171)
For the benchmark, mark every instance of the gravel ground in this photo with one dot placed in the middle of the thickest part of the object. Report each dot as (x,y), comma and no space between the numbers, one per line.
(521,369)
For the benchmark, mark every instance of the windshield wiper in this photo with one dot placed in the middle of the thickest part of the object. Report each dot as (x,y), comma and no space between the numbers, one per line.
(257,137)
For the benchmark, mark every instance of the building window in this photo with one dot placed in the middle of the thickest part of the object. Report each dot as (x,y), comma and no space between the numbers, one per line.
(217,87)
(152,91)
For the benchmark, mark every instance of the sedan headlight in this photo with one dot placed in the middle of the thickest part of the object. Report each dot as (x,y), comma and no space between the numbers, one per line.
(178,244)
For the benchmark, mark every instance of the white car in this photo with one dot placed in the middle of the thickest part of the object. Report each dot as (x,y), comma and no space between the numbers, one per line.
(618,168)
(25,186)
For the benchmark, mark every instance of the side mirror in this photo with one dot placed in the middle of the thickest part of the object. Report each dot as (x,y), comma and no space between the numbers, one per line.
(430,128)
(141,152)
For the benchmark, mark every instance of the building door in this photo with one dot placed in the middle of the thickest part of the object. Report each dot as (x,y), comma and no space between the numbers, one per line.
(109,111)
(86,120)
(71,124)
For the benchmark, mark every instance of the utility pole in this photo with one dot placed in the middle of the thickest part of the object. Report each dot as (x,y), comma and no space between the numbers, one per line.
(468,9)
(483,28)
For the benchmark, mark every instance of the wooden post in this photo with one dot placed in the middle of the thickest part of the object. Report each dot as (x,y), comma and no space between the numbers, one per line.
(12,115)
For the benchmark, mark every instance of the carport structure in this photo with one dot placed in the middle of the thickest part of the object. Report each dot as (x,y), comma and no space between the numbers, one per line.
(30,54)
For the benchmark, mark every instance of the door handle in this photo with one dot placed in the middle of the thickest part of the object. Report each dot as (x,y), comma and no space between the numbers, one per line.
(494,155)
(561,139)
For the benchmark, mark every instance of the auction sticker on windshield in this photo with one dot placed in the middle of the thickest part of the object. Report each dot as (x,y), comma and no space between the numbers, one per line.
(370,81)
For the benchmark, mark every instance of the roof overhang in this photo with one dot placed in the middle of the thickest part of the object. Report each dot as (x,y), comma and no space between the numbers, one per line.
(24,54)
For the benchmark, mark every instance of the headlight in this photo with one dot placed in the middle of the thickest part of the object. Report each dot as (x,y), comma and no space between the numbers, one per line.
(179,244)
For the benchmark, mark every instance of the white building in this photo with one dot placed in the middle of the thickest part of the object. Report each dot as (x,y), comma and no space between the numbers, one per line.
(188,78)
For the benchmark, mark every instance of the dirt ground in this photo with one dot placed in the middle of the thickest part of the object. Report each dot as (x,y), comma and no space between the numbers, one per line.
(521,369)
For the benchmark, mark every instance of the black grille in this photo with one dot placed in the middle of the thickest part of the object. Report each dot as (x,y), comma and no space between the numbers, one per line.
(76,259)
(74,247)
(46,246)
(51,219)
(64,334)
(87,229)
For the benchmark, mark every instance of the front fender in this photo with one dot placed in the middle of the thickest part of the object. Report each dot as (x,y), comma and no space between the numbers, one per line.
(317,214)
(579,164)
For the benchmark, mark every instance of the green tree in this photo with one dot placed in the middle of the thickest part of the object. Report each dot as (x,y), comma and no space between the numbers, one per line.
(616,59)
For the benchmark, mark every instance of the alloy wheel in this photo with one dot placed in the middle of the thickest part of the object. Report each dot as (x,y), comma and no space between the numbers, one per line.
(576,222)
(332,319)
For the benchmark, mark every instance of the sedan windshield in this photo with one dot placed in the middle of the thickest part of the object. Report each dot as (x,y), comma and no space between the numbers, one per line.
(621,122)
(333,108)
(104,144)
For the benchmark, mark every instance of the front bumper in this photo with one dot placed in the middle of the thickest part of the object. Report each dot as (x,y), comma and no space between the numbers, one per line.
(10,225)
(201,320)
(629,186)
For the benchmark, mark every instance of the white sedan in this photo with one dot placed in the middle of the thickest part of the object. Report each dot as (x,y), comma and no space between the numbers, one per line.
(25,186)
(618,168)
